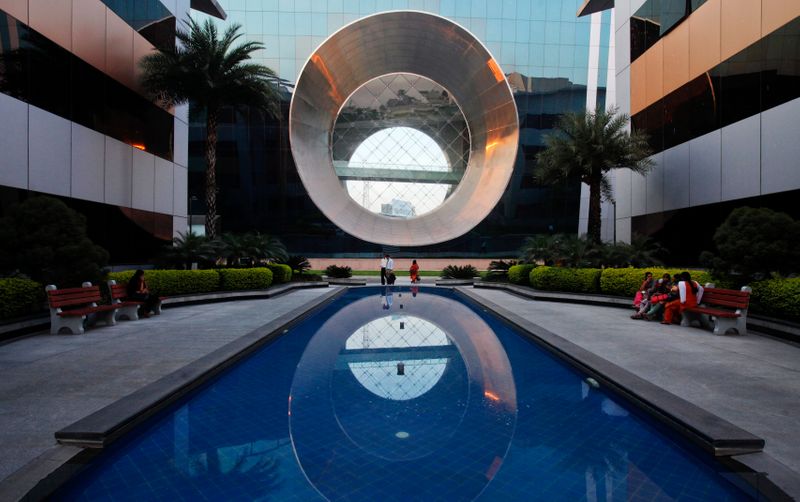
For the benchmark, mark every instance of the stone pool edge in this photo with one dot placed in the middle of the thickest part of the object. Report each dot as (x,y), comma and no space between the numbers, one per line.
(85,438)
(734,447)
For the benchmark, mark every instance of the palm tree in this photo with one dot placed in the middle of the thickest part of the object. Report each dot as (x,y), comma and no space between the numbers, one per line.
(188,248)
(208,72)
(251,248)
(587,146)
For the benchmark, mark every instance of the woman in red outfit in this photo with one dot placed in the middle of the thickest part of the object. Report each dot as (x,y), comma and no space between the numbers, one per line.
(691,293)
(413,272)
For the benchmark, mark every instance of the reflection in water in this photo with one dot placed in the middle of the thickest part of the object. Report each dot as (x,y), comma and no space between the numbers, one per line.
(307,419)
(375,394)
(384,356)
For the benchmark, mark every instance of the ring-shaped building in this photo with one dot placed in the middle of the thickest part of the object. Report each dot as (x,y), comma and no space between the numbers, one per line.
(422,44)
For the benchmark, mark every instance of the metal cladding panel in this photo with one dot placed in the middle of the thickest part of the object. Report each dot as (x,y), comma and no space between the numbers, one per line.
(425,45)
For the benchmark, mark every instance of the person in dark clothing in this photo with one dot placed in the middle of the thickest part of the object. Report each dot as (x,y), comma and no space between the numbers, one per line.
(138,291)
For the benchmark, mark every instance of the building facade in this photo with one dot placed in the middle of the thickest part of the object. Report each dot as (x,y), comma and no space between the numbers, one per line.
(554,61)
(74,123)
(715,83)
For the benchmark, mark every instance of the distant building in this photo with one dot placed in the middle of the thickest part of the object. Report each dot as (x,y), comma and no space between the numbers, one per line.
(398,208)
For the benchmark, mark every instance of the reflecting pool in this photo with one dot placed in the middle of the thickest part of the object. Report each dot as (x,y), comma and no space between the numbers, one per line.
(399,394)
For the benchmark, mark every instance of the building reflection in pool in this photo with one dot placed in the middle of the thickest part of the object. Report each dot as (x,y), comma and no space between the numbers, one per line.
(377,392)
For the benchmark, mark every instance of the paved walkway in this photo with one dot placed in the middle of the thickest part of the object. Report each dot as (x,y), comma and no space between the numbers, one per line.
(751,381)
(48,382)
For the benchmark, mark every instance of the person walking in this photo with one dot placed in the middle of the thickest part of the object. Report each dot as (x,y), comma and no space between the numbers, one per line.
(384,260)
(413,272)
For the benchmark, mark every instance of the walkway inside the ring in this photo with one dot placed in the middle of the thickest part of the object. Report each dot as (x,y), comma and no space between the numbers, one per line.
(48,382)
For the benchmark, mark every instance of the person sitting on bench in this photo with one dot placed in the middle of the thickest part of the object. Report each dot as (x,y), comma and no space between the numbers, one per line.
(691,293)
(138,291)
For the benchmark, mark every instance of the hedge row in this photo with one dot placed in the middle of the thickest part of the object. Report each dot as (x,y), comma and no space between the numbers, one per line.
(182,282)
(777,298)
(609,281)
(20,297)
(578,280)
(281,273)
(519,274)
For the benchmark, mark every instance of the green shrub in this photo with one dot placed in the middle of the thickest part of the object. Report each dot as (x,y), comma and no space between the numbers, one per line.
(46,240)
(232,279)
(175,282)
(280,273)
(574,280)
(338,272)
(19,297)
(498,270)
(459,272)
(626,281)
(520,274)
(777,298)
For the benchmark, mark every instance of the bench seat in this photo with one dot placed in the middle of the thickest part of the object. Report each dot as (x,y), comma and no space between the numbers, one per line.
(86,310)
(727,308)
(70,308)
(128,309)
(714,312)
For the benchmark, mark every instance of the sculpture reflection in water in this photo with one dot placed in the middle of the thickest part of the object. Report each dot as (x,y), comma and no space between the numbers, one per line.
(398,404)
(434,401)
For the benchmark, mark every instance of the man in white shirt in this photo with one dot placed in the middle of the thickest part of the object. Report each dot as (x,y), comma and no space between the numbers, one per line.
(389,269)
(384,260)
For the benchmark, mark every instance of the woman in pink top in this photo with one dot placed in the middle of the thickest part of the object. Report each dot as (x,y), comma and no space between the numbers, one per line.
(691,293)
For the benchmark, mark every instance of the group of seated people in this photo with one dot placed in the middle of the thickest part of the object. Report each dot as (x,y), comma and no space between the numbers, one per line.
(666,298)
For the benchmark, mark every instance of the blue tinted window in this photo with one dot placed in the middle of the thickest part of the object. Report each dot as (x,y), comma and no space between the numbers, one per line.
(539,11)
(523,31)
(509,30)
(479,8)
(494,30)
(538,31)
(286,23)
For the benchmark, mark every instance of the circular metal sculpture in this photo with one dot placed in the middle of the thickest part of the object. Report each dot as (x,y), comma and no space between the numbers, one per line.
(414,43)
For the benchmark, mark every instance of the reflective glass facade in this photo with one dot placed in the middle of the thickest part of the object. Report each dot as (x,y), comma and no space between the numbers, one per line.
(38,71)
(762,76)
(75,124)
(541,46)
(716,85)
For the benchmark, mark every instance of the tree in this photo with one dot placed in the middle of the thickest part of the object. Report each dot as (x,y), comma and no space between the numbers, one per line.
(46,240)
(188,248)
(250,248)
(208,72)
(588,145)
(754,242)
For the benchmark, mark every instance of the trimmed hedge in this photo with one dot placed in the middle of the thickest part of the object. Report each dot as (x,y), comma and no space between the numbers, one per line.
(280,273)
(626,281)
(174,282)
(777,298)
(19,297)
(576,280)
(232,279)
(520,274)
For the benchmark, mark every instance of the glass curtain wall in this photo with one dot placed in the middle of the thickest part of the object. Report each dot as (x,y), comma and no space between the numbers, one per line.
(542,47)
